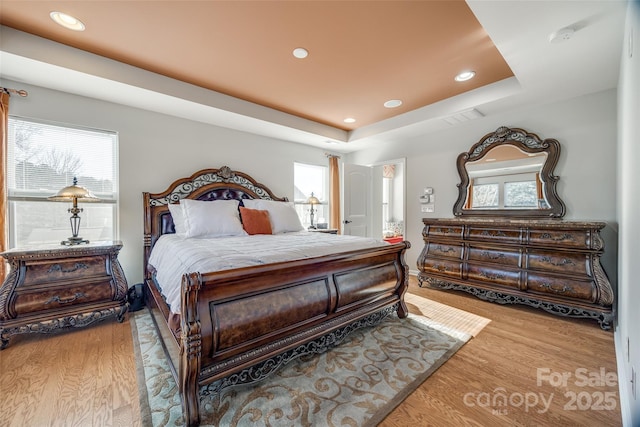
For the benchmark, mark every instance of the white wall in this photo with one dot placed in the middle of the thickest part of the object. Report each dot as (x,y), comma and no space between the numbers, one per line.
(628,332)
(157,149)
(585,128)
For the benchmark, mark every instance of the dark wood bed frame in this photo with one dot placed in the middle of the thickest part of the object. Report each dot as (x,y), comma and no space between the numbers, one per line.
(239,326)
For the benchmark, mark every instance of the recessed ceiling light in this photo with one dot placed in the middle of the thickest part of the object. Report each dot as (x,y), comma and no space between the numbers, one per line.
(349,120)
(300,52)
(393,103)
(465,75)
(67,21)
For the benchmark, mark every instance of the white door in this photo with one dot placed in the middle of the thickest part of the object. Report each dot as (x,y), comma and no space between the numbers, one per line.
(356,200)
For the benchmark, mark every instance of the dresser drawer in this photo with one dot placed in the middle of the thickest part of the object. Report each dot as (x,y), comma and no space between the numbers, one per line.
(48,271)
(561,262)
(444,250)
(562,287)
(442,231)
(442,267)
(494,275)
(513,236)
(496,256)
(52,298)
(578,239)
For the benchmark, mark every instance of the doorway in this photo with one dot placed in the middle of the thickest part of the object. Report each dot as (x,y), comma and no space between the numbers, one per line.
(374,200)
(389,200)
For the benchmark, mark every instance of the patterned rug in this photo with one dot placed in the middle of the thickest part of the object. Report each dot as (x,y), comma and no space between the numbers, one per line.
(354,384)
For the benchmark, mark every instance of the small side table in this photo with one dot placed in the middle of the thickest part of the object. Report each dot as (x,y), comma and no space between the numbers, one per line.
(324,230)
(54,287)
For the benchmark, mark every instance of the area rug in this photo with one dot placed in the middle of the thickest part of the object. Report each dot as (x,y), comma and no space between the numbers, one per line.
(354,384)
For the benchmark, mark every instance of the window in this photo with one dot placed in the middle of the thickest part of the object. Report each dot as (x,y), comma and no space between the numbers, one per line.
(45,157)
(309,179)
(505,191)
(520,194)
(485,196)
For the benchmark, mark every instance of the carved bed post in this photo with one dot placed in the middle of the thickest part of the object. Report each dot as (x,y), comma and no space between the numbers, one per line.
(190,349)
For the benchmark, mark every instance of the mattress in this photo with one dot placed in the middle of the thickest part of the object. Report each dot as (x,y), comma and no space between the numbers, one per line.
(173,256)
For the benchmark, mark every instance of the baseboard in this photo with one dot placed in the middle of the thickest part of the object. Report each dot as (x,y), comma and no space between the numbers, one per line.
(413,272)
(623,379)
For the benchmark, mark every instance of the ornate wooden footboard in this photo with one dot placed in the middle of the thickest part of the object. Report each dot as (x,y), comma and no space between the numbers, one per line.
(239,326)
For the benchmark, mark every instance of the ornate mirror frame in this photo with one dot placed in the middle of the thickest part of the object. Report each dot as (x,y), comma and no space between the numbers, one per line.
(528,143)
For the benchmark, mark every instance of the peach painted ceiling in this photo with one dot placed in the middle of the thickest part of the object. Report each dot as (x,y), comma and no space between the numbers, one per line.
(361,53)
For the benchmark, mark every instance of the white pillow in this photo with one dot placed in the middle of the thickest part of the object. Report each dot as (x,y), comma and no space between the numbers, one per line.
(283,215)
(178,218)
(211,218)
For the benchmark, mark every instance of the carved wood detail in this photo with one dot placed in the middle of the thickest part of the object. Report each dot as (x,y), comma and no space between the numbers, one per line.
(559,270)
(210,349)
(76,286)
(528,143)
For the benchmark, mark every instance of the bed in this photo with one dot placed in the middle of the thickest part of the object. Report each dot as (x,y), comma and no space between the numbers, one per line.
(239,325)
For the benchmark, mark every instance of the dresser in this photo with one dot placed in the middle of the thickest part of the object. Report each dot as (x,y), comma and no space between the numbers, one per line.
(50,288)
(553,265)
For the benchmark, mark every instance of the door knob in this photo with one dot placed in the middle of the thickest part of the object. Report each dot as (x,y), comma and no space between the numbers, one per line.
(346,221)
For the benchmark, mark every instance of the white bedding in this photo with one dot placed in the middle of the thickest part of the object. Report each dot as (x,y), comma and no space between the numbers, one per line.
(173,256)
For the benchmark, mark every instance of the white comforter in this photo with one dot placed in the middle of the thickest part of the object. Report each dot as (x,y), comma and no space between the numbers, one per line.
(172,255)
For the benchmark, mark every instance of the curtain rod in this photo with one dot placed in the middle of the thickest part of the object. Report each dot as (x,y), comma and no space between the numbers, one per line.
(9,91)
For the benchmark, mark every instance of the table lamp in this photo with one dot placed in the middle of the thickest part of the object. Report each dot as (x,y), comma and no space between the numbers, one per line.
(312,200)
(74,193)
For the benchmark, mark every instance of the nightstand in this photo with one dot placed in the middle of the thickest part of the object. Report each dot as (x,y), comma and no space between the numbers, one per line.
(55,287)
(324,230)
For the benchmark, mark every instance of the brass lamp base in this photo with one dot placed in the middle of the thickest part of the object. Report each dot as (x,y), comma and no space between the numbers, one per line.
(74,241)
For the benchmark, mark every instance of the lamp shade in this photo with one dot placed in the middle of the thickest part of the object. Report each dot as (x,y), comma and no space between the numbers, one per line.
(74,192)
(313,200)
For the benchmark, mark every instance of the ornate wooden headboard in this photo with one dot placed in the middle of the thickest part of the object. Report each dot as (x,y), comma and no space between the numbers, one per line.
(207,184)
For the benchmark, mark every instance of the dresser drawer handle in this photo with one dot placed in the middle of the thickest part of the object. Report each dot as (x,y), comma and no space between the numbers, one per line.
(487,254)
(495,276)
(444,249)
(564,261)
(548,236)
(493,233)
(444,230)
(557,290)
(76,266)
(440,268)
(66,300)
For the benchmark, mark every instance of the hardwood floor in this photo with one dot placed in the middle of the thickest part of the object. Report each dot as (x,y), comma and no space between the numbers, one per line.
(86,377)
(505,359)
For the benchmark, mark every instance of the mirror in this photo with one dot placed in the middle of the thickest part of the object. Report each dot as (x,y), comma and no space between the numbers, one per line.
(509,173)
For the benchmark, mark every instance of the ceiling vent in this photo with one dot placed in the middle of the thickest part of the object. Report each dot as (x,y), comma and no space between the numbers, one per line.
(463,116)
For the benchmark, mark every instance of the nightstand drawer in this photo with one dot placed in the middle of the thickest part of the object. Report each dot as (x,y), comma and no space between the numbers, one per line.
(36,300)
(48,271)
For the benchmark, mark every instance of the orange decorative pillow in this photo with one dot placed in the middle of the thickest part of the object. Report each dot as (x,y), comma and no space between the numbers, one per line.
(255,221)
